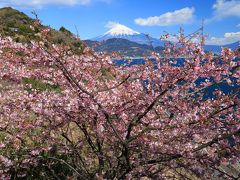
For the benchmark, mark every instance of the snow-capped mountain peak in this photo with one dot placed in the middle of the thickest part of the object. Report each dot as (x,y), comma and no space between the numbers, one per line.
(119,29)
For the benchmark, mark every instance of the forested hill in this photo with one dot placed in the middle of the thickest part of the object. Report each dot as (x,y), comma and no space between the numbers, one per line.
(20,27)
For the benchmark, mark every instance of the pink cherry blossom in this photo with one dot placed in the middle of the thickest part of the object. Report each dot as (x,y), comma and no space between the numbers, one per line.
(116,122)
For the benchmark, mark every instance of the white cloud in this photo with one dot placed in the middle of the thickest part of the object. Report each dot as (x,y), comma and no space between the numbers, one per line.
(41,3)
(229,37)
(226,8)
(238,25)
(232,35)
(181,16)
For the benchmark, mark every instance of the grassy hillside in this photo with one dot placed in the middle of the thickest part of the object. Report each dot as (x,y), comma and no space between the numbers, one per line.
(20,27)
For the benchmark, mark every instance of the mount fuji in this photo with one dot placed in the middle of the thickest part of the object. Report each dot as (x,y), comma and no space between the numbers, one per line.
(123,32)
(120,36)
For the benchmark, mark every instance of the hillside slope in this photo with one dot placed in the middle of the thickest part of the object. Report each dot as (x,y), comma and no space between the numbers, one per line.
(20,27)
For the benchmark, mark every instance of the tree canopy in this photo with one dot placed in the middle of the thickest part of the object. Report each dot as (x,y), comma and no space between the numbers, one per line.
(82,116)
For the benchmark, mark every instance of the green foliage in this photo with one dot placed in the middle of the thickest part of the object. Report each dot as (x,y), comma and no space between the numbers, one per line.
(36,84)
(18,26)
(25,29)
(49,166)
(65,37)
(64,30)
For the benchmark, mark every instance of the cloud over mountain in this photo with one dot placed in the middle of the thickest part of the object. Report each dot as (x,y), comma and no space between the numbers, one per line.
(181,16)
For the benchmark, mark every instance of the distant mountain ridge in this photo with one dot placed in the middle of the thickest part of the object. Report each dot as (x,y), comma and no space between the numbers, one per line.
(130,48)
(119,31)
(218,48)
(124,32)
(123,46)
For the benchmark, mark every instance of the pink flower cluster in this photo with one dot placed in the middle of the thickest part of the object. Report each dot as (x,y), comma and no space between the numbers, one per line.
(149,120)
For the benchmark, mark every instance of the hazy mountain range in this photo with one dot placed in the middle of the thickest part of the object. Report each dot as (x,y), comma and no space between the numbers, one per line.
(132,43)
(123,46)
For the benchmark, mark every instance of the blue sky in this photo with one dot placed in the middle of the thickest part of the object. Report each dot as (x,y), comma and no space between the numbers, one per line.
(222,17)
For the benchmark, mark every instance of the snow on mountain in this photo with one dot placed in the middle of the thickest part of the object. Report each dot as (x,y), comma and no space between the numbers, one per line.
(117,30)
(121,31)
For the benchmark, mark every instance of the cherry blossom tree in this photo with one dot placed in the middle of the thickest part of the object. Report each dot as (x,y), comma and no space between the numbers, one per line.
(65,115)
